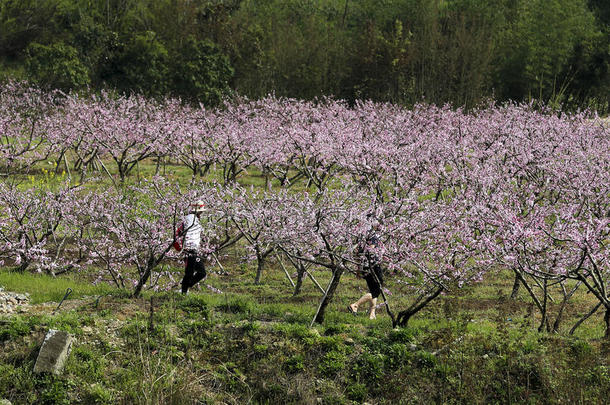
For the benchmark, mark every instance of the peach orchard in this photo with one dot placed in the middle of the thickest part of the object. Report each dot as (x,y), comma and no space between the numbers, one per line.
(458,194)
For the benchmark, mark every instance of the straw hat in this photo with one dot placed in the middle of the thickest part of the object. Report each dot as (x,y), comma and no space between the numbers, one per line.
(198,207)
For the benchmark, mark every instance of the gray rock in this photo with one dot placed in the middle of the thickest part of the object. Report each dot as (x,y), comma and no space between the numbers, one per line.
(11,302)
(5,402)
(54,352)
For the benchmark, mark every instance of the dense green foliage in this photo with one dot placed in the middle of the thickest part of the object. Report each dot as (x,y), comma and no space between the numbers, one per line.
(458,51)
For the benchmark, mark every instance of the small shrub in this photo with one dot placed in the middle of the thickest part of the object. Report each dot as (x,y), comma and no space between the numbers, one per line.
(14,328)
(335,329)
(297,331)
(70,322)
(97,394)
(397,355)
(331,363)
(295,363)
(86,363)
(331,343)
(55,391)
(18,382)
(369,368)
(334,399)
(250,328)
(356,392)
(261,349)
(193,326)
(237,305)
(6,377)
(581,349)
(598,376)
(195,306)
(425,360)
(373,344)
(402,335)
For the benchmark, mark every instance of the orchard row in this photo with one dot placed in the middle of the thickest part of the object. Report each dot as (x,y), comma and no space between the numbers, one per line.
(455,195)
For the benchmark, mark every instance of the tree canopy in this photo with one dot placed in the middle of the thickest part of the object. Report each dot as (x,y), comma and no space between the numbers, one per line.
(462,52)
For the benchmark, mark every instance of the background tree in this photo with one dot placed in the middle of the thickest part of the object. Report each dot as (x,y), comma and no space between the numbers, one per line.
(200,72)
(140,65)
(56,66)
(461,52)
(537,46)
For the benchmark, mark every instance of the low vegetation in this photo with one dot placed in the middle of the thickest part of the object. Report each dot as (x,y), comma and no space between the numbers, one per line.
(253,344)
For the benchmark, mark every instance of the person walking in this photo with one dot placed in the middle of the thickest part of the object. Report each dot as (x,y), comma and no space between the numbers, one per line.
(370,269)
(190,230)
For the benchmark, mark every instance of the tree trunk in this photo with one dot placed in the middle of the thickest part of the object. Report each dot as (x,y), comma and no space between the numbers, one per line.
(558,320)
(403,316)
(564,302)
(585,317)
(143,279)
(205,170)
(543,310)
(330,292)
(158,166)
(267,182)
(122,172)
(299,283)
(261,258)
(607,320)
(150,264)
(260,263)
(534,298)
(516,285)
(58,162)
(23,266)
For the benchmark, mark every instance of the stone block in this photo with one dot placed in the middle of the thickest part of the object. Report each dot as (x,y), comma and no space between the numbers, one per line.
(54,352)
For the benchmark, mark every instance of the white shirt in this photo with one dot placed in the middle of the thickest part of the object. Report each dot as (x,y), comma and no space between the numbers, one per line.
(193,228)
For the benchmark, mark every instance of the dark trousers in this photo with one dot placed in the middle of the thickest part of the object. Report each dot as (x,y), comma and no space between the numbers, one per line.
(374,280)
(194,271)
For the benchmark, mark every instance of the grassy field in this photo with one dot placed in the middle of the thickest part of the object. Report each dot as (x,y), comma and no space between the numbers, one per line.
(252,344)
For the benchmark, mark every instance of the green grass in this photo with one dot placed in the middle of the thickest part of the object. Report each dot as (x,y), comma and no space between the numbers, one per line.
(253,344)
(43,288)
